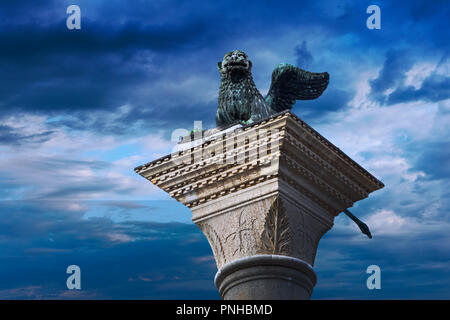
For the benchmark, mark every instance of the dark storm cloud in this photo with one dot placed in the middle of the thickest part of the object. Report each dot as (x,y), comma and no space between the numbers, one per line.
(341,265)
(49,69)
(59,178)
(125,205)
(80,190)
(431,158)
(150,118)
(423,9)
(69,228)
(182,115)
(47,164)
(83,189)
(396,64)
(153,265)
(12,136)
(333,99)
(32,42)
(304,56)
(433,89)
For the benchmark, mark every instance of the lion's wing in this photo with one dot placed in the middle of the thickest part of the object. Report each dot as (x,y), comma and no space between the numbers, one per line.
(290,83)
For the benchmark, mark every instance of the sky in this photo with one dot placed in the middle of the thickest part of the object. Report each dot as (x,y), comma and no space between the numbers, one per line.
(80,109)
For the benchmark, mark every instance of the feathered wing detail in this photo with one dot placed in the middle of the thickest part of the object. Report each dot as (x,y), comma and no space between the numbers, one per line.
(290,83)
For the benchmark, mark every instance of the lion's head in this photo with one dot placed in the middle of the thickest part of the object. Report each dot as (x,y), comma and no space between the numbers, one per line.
(235,60)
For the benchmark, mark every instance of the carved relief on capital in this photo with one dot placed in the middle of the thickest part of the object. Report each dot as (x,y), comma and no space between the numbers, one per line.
(241,233)
(215,242)
(276,236)
(236,233)
(272,225)
(307,232)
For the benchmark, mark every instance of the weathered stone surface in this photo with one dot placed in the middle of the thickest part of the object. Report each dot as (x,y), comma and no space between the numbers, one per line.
(270,188)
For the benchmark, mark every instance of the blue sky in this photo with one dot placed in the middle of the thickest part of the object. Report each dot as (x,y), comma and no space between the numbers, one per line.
(79,109)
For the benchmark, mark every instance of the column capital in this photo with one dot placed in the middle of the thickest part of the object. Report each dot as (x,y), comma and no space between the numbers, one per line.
(270,188)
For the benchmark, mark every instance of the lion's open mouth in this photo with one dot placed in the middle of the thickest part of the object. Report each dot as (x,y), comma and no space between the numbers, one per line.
(236,64)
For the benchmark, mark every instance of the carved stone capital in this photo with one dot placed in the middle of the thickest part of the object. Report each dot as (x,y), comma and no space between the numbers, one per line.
(273,225)
(271,188)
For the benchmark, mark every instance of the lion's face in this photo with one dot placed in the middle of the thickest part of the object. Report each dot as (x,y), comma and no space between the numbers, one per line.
(233,61)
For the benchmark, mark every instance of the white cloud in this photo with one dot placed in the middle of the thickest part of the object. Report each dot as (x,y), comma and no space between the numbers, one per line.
(119,237)
(362,88)
(156,143)
(386,222)
(380,139)
(418,73)
(394,165)
(76,159)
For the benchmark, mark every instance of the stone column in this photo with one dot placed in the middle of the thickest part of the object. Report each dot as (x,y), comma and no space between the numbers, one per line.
(263,195)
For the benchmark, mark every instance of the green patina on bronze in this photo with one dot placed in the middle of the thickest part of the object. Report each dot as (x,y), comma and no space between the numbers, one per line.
(239,99)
